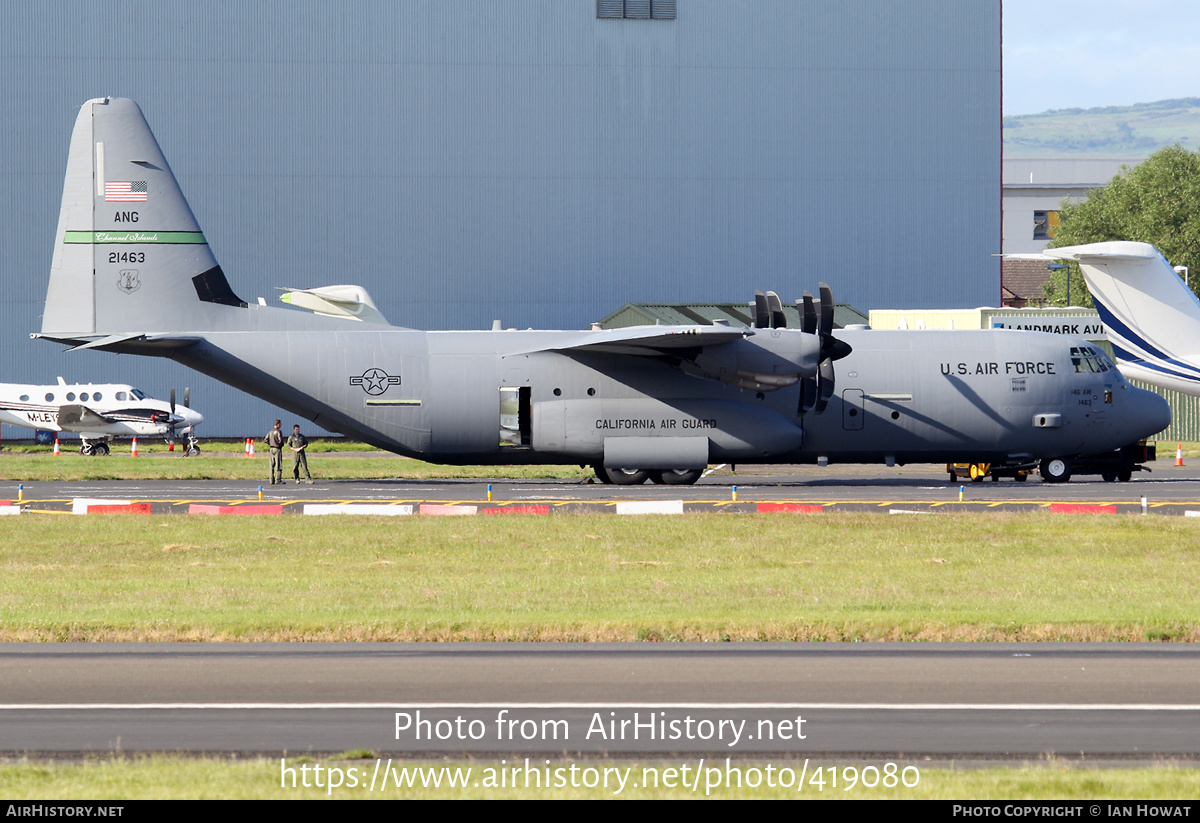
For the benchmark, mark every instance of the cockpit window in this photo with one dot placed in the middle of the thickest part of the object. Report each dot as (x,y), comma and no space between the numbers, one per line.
(138,394)
(1088,360)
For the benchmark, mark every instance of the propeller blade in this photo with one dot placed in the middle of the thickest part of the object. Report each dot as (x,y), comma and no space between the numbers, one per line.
(172,400)
(825,384)
(810,315)
(808,394)
(826,309)
(187,397)
(762,315)
(775,305)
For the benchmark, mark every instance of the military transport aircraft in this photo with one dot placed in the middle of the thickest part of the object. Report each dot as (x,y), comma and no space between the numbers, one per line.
(660,402)
(98,412)
(1151,316)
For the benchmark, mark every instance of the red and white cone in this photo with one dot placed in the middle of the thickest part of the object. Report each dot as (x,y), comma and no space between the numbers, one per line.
(56,451)
(133,450)
(1179,455)
(250,453)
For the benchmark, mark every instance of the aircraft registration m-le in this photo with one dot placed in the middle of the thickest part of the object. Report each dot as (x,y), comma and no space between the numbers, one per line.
(133,273)
(97,412)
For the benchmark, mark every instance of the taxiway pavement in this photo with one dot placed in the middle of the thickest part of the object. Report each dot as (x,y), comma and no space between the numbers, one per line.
(1168,490)
(910,701)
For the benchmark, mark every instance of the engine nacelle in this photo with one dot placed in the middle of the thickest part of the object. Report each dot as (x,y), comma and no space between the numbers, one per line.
(769,359)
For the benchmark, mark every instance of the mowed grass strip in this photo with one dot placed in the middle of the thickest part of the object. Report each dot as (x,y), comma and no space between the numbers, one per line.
(173,777)
(601,577)
(18,467)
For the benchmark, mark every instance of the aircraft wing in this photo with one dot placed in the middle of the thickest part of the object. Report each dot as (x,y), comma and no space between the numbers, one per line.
(650,341)
(73,417)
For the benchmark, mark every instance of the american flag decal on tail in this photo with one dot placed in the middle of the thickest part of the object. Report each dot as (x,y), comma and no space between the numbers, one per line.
(125,191)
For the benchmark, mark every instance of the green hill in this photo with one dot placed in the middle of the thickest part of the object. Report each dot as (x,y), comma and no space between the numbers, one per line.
(1112,131)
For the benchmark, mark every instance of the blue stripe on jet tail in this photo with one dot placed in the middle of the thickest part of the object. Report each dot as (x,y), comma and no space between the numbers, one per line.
(1163,360)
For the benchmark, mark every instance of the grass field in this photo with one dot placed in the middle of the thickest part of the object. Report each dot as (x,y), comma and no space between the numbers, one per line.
(577,577)
(601,577)
(328,460)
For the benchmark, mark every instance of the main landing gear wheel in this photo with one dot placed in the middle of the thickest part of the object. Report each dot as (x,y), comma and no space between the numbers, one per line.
(628,477)
(1056,470)
(85,450)
(100,449)
(676,477)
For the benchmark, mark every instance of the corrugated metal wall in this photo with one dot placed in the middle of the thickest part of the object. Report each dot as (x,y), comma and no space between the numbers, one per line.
(522,159)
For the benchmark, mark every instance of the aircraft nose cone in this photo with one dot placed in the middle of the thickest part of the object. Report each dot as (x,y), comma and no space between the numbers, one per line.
(192,418)
(1153,412)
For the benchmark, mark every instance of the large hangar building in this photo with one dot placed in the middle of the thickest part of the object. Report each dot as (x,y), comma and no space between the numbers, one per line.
(540,162)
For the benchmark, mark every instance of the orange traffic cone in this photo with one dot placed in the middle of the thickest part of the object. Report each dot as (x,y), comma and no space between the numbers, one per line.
(251,452)
(56,451)
(1179,455)
(133,451)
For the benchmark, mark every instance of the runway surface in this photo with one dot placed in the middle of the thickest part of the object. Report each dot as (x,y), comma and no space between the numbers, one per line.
(1168,490)
(1006,701)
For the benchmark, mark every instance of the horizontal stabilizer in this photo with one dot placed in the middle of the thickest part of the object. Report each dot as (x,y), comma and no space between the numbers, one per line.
(121,342)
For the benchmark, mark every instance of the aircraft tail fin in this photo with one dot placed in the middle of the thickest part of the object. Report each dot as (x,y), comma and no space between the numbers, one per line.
(1151,316)
(129,255)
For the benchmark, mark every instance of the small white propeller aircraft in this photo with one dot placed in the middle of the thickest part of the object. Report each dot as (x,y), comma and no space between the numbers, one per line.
(98,412)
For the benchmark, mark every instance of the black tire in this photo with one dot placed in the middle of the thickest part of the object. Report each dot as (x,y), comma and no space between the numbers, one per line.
(85,450)
(953,477)
(676,477)
(1108,477)
(100,449)
(602,474)
(1125,475)
(193,451)
(1055,470)
(628,477)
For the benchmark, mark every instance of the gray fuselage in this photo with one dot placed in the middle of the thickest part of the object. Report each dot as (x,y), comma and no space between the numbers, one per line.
(524,397)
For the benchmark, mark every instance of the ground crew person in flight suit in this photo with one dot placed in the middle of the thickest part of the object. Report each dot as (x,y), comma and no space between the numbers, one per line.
(274,440)
(298,443)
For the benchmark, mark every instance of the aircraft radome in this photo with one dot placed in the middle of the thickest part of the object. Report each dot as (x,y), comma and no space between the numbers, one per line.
(660,402)
(97,412)
(1151,316)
